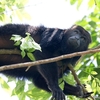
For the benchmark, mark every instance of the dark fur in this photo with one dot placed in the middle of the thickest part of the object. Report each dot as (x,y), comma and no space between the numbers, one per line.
(54,42)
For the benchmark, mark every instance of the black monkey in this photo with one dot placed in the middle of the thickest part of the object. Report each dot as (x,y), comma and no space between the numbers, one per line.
(54,42)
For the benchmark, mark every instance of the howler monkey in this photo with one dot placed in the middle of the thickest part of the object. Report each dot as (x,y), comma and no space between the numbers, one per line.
(54,42)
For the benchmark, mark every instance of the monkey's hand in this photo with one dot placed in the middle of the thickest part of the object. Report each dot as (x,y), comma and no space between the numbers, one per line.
(57,94)
(81,93)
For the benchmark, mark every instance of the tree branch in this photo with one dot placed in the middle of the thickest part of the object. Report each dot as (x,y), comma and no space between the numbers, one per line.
(10,51)
(77,80)
(55,59)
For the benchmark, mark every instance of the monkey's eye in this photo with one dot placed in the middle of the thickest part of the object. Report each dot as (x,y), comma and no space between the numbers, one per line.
(76,32)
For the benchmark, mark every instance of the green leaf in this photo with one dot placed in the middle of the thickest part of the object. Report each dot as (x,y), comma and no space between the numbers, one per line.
(36,46)
(31,56)
(2,10)
(19,89)
(93,24)
(83,74)
(24,45)
(16,38)
(23,53)
(79,3)
(94,73)
(94,36)
(94,84)
(17,43)
(73,2)
(91,3)
(28,34)
(98,59)
(89,77)
(4,84)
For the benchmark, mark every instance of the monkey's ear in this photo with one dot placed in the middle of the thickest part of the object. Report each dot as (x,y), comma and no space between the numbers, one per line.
(50,39)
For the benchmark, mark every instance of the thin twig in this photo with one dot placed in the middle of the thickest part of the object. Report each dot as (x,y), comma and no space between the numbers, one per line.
(77,80)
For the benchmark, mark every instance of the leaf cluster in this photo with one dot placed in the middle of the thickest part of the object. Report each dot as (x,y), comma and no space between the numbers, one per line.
(27,45)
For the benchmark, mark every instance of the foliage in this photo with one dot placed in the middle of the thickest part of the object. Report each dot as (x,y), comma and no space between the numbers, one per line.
(88,68)
(9,9)
(27,45)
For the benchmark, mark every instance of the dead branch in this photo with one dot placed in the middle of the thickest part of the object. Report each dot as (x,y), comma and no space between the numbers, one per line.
(55,59)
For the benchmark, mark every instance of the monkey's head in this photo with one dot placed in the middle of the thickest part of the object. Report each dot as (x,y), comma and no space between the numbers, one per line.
(75,39)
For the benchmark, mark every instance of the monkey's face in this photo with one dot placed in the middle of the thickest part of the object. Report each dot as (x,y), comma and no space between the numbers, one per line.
(75,39)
